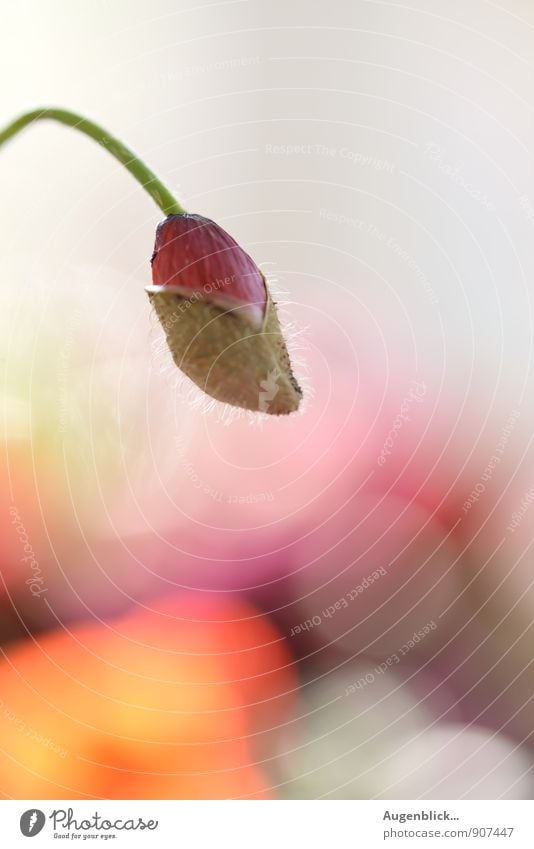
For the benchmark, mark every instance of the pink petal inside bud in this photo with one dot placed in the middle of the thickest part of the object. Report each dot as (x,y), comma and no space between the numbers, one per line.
(196,259)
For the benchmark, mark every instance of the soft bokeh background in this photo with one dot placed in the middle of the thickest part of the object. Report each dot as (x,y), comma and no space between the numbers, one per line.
(334,605)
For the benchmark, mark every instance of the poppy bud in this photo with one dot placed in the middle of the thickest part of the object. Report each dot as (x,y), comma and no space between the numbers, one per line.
(218,317)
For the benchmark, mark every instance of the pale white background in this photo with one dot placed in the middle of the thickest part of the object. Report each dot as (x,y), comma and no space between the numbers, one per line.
(202,90)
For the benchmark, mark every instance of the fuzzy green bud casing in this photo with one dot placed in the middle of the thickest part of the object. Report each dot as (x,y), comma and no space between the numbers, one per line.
(218,317)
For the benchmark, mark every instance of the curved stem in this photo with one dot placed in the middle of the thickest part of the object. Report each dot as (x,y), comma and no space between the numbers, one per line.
(155,188)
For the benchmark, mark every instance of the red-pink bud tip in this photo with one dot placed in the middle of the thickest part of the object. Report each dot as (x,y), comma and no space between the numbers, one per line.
(193,255)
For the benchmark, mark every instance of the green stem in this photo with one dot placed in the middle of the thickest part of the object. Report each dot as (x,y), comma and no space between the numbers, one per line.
(155,188)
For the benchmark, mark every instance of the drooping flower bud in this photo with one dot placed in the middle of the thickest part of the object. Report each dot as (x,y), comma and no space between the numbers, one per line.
(218,317)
